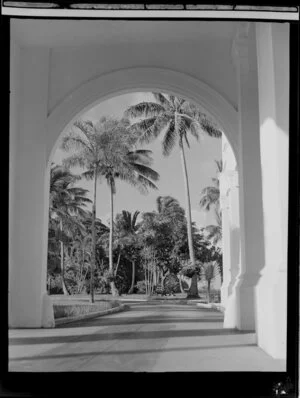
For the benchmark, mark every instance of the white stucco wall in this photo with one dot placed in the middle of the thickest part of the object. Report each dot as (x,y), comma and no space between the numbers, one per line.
(228,158)
(28,306)
(70,67)
(271,294)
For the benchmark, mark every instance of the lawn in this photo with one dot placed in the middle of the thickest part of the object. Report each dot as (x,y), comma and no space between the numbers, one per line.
(66,307)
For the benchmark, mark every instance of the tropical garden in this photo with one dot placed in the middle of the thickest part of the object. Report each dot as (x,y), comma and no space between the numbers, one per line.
(156,252)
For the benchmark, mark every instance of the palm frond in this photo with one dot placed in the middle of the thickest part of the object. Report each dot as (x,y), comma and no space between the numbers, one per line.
(140,156)
(134,218)
(209,196)
(161,99)
(210,128)
(214,233)
(170,139)
(73,142)
(88,175)
(219,164)
(75,160)
(146,171)
(145,183)
(144,109)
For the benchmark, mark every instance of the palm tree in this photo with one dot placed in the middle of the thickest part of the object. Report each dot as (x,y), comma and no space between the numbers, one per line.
(104,150)
(121,162)
(177,119)
(66,202)
(87,153)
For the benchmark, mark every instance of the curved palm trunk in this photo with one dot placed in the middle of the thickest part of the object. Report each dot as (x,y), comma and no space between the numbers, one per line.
(113,287)
(118,262)
(93,259)
(193,291)
(62,263)
(79,287)
(132,278)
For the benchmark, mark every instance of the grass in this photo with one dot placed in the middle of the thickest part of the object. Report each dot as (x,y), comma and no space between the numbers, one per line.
(67,309)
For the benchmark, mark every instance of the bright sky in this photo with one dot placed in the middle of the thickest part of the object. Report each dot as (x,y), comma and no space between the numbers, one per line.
(200,164)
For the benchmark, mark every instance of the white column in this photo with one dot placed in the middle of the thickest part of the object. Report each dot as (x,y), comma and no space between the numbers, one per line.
(241,306)
(273,72)
(29,305)
(231,240)
(235,236)
(226,253)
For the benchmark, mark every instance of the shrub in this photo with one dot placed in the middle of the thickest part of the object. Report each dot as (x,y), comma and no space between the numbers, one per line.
(55,285)
(109,276)
(171,284)
(103,287)
(141,287)
(189,270)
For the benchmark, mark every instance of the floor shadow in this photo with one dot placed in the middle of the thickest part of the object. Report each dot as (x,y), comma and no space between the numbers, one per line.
(136,321)
(133,335)
(174,308)
(130,352)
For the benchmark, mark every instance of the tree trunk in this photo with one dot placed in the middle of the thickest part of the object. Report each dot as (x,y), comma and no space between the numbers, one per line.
(93,259)
(118,262)
(193,290)
(155,277)
(132,278)
(79,287)
(208,291)
(62,263)
(113,287)
(188,206)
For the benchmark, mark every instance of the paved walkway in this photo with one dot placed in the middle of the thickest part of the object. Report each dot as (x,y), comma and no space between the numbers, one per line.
(149,337)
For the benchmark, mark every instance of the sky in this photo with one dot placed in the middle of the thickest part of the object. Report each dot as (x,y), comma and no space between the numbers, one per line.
(200,165)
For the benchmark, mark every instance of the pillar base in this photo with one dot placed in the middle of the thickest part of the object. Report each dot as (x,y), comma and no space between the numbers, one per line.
(240,307)
(271,294)
(47,312)
(231,312)
(224,294)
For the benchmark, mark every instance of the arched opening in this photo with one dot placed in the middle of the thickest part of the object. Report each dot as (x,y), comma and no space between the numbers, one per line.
(56,117)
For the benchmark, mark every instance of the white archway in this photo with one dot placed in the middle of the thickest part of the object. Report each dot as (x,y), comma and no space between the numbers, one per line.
(144,79)
(124,81)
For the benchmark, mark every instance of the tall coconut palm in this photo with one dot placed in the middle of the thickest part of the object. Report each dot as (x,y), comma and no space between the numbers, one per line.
(121,162)
(87,152)
(66,207)
(177,119)
(105,150)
